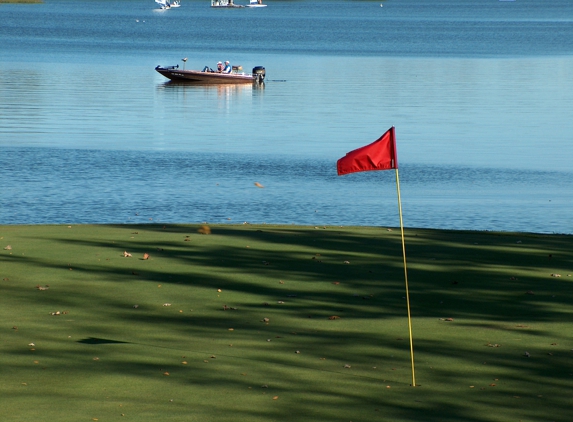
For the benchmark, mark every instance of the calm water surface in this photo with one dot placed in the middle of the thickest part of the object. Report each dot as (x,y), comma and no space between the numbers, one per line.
(480,93)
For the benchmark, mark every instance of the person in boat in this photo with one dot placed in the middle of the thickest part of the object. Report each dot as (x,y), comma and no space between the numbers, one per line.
(219,68)
(228,68)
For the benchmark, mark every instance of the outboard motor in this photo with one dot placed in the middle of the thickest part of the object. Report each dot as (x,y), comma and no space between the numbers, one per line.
(259,73)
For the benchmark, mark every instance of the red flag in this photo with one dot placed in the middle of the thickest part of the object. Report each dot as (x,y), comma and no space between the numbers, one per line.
(379,155)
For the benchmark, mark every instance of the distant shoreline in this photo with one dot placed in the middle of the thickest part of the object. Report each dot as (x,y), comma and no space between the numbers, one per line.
(21,1)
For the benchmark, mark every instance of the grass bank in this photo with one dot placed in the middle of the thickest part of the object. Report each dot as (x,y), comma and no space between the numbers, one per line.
(281,323)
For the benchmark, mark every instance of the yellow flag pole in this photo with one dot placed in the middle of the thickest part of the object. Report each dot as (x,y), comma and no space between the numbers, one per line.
(406,279)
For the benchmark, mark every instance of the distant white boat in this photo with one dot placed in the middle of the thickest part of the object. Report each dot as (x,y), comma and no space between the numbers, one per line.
(167,4)
(231,3)
(256,3)
(225,3)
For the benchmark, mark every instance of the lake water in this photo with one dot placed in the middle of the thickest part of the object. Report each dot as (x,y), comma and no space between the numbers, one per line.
(480,93)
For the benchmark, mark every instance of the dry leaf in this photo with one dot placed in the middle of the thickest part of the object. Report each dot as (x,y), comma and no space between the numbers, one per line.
(145,256)
(166,374)
(8,248)
(204,230)
(275,397)
(334,317)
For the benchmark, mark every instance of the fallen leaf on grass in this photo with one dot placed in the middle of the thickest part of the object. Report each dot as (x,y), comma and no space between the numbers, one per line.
(8,248)
(204,230)
(334,317)
(46,287)
(166,374)
(145,256)
(275,397)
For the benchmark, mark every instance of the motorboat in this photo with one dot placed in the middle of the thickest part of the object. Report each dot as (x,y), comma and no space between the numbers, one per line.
(225,3)
(167,4)
(256,3)
(208,76)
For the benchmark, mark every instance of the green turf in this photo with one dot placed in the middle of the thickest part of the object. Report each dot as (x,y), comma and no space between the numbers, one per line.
(117,352)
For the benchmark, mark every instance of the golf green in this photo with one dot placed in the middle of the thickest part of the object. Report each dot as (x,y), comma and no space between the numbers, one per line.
(283,323)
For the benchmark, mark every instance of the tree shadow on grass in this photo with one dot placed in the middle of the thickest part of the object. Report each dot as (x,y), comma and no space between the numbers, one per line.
(480,280)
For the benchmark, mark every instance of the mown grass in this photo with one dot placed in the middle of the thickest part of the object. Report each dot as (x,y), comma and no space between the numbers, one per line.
(149,339)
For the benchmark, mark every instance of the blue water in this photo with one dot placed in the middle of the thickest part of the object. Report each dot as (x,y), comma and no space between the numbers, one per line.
(480,93)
